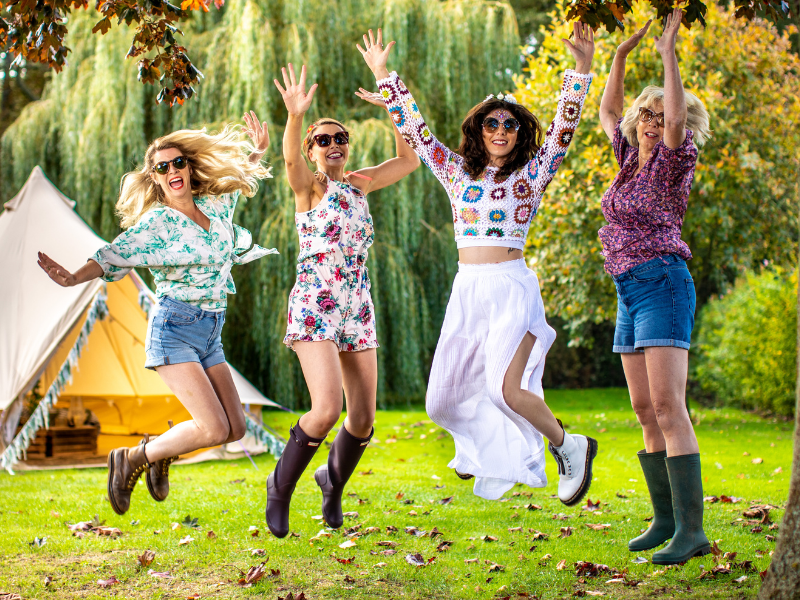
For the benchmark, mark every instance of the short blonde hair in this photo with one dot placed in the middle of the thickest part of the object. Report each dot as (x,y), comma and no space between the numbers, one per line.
(697,120)
(220,165)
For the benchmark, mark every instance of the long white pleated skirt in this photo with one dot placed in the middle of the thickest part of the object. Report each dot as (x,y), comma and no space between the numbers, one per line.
(491,308)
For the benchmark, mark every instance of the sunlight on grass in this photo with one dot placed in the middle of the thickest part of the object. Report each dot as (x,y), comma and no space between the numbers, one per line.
(400,483)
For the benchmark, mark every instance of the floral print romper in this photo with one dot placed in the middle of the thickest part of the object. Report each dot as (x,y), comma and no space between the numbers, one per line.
(331,298)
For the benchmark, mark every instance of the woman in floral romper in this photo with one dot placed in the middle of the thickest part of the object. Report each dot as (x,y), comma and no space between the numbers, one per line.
(331,316)
(178,211)
(654,144)
(485,385)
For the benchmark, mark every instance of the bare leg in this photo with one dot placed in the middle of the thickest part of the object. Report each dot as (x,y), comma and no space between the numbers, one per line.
(222,382)
(323,374)
(210,424)
(667,370)
(635,368)
(527,404)
(360,378)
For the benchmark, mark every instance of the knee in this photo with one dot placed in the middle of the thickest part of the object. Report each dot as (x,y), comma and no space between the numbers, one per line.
(669,412)
(214,433)
(360,422)
(237,431)
(326,418)
(645,414)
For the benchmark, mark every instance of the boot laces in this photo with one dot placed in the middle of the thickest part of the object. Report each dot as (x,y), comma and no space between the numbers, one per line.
(134,476)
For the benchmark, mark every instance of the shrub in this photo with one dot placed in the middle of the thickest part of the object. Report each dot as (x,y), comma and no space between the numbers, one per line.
(747,343)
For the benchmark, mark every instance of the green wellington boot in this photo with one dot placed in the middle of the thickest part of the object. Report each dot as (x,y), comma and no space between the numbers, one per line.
(662,526)
(687,507)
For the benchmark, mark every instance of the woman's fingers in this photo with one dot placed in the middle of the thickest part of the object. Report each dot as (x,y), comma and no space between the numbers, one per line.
(380,37)
(310,93)
(360,49)
(292,76)
(278,85)
(303,77)
(371,39)
(286,81)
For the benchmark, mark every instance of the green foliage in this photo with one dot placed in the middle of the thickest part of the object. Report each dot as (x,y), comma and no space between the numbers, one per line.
(95,120)
(741,209)
(747,343)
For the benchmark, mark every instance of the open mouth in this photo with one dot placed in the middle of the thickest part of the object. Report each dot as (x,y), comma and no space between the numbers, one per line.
(176,183)
(501,143)
(651,135)
(335,155)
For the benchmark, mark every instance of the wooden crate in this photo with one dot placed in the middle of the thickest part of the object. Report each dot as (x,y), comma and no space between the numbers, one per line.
(61,441)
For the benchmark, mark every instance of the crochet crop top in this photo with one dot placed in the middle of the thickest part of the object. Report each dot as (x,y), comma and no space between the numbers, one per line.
(487,212)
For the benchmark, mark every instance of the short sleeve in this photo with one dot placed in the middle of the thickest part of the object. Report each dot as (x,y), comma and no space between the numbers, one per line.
(673,164)
(136,247)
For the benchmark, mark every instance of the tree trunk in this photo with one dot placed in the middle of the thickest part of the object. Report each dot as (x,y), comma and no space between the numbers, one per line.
(783,575)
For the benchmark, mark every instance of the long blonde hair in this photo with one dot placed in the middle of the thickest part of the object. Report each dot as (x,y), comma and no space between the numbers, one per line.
(696,120)
(219,164)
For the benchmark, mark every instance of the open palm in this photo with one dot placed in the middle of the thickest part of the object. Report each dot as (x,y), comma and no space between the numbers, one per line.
(375,55)
(582,46)
(628,45)
(295,97)
(371,97)
(666,43)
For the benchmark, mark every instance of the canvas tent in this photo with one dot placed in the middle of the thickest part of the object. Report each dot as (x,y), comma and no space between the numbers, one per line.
(84,343)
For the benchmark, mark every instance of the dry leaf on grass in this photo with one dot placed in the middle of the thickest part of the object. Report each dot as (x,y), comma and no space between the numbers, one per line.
(160,574)
(9,596)
(345,561)
(489,538)
(416,560)
(443,546)
(347,544)
(447,500)
(379,565)
(366,472)
(108,582)
(533,507)
(598,527)
(566,532)
(538,535)
(211,535)
(174,526)
(253,575)
(47,580)
(350,515)
(591,506)
(561,565)
(470,560)
(300,596)
(387,543)
(757,461)
(496,568)
(186,540)
(146,558)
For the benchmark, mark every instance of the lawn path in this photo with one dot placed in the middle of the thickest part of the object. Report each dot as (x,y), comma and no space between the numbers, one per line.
(400,483)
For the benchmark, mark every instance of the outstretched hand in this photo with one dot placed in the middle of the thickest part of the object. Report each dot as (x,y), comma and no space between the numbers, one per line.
(55,271)
(257,131)
(295,97)
(371,97)
(583,47)
(375,55)
(666,43)
(628,45)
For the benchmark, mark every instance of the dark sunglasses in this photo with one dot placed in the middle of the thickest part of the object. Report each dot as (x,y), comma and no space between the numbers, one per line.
(323,140)
(490,124)
(646,115)
(162,168)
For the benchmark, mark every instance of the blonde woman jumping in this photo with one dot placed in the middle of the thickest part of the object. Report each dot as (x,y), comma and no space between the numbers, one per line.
(177,211)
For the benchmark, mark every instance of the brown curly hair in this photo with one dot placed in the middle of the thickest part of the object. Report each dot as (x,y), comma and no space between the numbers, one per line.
(473,150)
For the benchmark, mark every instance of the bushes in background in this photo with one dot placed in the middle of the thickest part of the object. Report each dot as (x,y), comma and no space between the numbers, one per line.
(747,343)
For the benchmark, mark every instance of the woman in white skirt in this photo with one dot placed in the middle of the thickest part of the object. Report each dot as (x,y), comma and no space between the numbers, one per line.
(485,385)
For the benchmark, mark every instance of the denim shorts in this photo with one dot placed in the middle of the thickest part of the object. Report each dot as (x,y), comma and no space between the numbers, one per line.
(181,333)
(655,305)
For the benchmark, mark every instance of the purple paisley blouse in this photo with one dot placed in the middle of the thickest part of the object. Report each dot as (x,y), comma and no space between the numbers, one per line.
(645,213)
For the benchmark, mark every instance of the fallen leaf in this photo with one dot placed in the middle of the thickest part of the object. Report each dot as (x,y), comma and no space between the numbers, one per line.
(186,540)
(38,541)
(566,532)
(594,593)
(514,529)
(489,538)
(757,461)
(741,579)
(160,574)
(590,569)
(146,558)
(254,574)
(639,560)
(598,527)
(415,560)
(350,515)
(108,531)
(470,560)
(591,505)
(379,565)
(174,526)
(388,552)
(194,596)
(711,499)
(443,546)
(561,564)
(257,552)
(347,544)
(533,507)
(496,568)
(447,500)
(387,543)
(190,522)
(540,536)
(412,513)
(366,472)
(391,529)
(108,582)
(770,538)
(434,533)
(47,580)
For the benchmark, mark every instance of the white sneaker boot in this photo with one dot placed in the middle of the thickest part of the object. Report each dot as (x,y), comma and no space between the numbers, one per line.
(574,457)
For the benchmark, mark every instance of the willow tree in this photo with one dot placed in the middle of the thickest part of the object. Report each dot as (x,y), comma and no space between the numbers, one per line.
(95,119)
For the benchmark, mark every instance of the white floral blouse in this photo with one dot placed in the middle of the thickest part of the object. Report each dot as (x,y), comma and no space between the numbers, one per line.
(188,263)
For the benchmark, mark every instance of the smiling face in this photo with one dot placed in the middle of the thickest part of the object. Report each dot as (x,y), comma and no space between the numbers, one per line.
(329,157)
(175,183)
(501,142)
(649,134)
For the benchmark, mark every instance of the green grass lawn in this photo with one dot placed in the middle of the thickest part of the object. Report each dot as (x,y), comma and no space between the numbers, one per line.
(398,485)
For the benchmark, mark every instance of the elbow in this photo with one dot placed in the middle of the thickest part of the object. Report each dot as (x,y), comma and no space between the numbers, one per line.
(675,123)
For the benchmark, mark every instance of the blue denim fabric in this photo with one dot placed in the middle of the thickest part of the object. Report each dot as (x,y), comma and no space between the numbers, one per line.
(180,333)
(655,305)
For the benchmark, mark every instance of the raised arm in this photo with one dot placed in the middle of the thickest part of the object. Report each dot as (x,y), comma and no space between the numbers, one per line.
(675,112)
(404,111)
(297,101)
(91,270)
(612,104)
(259,133)
(392,170)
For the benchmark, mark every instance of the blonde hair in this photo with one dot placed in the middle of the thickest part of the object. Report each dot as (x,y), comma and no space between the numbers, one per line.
(219,163)
(308,141)
(696,120)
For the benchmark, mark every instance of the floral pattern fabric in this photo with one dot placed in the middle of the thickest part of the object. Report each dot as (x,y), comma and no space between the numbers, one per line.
(487,212)
(188,263)
(645,212)
(331,297)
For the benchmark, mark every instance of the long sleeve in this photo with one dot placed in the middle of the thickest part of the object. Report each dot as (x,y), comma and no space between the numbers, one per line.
(140,246)
(544,166)
(406,116)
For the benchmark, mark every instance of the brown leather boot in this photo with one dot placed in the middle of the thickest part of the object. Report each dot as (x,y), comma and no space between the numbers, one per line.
(125,466)
(158,475)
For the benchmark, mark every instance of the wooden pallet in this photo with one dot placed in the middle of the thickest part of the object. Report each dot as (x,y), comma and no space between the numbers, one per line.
(61,441)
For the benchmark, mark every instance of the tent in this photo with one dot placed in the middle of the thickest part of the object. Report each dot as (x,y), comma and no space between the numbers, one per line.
(82,345)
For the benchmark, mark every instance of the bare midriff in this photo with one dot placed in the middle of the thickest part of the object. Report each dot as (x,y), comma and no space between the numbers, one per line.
(479,255)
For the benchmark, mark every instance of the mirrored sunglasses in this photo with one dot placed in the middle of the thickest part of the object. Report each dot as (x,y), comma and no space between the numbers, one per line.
(323,140)
(646,115)
(162,168)
(490,124)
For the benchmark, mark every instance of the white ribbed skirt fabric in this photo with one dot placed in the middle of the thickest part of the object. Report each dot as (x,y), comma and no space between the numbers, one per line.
(491,308)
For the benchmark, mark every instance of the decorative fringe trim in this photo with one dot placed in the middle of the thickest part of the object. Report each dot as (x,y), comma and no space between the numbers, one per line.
(40,416)
(271,441)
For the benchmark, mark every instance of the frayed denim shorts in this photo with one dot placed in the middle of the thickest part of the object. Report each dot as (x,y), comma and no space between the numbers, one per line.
(181,333)
(655,305)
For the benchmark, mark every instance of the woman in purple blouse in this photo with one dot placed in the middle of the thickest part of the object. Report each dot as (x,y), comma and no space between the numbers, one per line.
(655,144)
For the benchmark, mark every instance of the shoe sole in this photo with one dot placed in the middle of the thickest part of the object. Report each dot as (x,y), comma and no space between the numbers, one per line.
(324,514)
(110,479)
(464,476)
(591,453)
(152,490)
(701,551)
(643,549)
